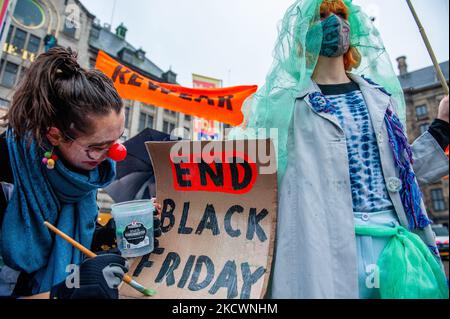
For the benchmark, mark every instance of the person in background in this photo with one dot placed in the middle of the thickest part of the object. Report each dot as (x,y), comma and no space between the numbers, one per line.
(50,41)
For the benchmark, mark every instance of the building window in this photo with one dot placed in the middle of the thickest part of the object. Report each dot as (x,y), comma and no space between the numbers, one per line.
(29,14)
(187,133)
(169,77)
(140,54)
(19,39)
(121,31)
(92,62)
(421,111)
(4,103)
(187,118)
(148,106)
(142,121)
(127,56)
(23,71)
(2,62)
(10,74)
(69,27)
(127,117)
(145,120)
(173,113)
(423,128)
(33,44)
(95,32)
(437,196)
(69,30)
(168,127)
(10,33)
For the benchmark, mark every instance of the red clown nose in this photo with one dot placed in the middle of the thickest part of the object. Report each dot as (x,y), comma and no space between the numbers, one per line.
(117,152)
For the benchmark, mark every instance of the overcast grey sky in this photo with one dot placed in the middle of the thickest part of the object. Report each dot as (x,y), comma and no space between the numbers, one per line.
(233,39)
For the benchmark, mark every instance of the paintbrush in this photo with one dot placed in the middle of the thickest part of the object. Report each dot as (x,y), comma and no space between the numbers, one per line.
(87,252)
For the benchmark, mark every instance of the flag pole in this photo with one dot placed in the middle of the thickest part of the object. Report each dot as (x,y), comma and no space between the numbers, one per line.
(429,48)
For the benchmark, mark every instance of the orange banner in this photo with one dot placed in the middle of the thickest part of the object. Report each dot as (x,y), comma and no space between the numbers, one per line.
(222,104)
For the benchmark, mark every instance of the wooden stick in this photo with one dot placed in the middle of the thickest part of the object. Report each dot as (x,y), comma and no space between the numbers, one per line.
(429,48)
(87,252)
(45,295)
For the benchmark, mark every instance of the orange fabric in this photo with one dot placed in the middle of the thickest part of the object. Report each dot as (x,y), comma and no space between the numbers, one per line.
(223,105)
(337,7)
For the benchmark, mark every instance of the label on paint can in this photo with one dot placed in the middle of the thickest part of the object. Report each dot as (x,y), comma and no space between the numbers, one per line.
(135,236)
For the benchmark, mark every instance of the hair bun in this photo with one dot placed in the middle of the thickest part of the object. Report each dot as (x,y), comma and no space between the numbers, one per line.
(67,63)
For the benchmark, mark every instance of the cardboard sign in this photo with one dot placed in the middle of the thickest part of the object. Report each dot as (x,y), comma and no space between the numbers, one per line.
(218,221)
(222,104)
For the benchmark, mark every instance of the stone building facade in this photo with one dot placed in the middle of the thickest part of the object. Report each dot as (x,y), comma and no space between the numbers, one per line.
(74,26)
(30,22)
(423,92)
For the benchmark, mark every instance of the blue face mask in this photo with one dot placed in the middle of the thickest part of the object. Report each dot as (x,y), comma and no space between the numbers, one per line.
(336,36)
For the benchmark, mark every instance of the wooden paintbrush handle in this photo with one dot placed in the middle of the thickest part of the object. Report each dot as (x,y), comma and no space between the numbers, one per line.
(74,243)
(126,278)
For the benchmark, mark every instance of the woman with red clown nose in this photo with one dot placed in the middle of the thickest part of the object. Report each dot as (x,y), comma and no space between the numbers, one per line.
(351,219)
(58,150)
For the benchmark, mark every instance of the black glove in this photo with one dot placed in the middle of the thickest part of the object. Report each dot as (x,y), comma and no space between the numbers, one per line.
(99,279)
(104,237)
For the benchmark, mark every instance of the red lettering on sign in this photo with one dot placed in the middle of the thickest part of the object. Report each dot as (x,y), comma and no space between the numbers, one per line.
(230,172)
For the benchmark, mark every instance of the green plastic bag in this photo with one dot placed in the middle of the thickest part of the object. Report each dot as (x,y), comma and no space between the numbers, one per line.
(408,269)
